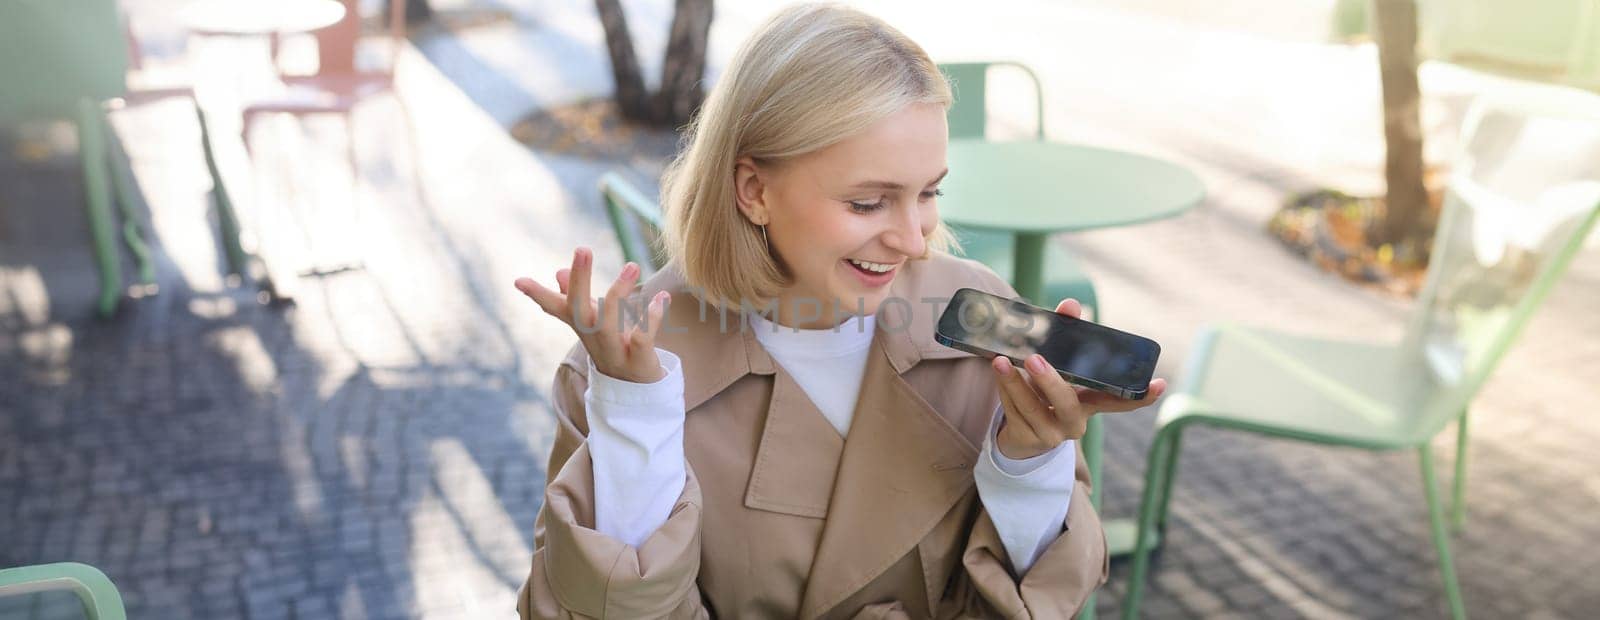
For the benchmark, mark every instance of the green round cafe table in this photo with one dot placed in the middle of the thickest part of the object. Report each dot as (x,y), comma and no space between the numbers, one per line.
(1036,188)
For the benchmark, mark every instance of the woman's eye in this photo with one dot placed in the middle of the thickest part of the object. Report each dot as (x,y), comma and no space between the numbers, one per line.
(929,195)
(865,207)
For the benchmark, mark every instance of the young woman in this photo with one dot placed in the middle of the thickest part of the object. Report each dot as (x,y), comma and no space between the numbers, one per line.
(822,457)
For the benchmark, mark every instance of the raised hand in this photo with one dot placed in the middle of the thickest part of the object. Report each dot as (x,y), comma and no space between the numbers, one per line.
(625,352)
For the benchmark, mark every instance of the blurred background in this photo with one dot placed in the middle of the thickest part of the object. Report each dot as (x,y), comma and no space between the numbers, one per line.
(260,355)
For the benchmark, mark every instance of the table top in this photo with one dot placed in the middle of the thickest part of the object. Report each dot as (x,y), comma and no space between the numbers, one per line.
(257,17)
(1046,187)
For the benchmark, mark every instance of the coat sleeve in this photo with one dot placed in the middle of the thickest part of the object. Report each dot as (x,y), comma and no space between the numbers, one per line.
(578,572)
(1058,583)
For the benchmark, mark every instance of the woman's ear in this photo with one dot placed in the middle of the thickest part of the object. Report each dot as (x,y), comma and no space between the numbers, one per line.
(749,190)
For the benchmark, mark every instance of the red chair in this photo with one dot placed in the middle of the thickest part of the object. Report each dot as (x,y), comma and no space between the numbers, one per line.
(337,86)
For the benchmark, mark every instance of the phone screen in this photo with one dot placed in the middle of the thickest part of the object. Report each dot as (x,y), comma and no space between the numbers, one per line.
(1081,349)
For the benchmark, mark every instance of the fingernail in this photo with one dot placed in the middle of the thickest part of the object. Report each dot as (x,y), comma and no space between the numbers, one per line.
(1036,364)
(629,269)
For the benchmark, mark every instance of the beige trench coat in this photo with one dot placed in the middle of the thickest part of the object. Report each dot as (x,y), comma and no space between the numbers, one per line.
(781,517)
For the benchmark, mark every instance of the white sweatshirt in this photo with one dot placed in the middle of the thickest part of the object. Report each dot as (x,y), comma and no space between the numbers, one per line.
(636,441)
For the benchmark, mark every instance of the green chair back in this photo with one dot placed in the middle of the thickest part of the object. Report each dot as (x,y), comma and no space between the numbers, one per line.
(1544,40)
(99,596)
(637,221)
(1554,41)
(1523,197)
(968,116)
(55,52)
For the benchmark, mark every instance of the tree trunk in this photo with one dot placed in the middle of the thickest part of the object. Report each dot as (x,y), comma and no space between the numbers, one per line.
(417,11)
(632,99)
(684,68)
(1406,205)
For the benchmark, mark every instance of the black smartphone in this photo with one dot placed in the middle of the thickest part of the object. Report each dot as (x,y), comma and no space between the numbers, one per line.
(1087,354)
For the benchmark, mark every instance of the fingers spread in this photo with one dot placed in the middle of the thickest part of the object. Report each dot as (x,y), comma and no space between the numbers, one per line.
(578,289)
(611,306)
(644,336)
(657,314)
(548,301)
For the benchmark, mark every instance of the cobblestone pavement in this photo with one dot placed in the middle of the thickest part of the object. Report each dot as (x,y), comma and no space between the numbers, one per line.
(376,450)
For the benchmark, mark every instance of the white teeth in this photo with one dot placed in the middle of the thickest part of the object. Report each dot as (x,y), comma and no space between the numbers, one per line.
(874,267)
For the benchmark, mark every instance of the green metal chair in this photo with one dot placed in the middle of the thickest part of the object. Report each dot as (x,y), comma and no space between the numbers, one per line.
(636,219)
(68,59)
(1555,41)
(968,118)
(1519,205)
(60,60)
(99,596)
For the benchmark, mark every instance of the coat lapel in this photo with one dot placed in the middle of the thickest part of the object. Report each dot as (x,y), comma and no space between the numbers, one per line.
(903,468)
(798,457)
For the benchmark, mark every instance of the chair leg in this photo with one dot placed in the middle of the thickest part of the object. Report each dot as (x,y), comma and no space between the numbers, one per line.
(1458,499)
(1441,538)
(127,199)
(1170,462)
(227,218)
(92,154)
(1093,442)
(1162,449)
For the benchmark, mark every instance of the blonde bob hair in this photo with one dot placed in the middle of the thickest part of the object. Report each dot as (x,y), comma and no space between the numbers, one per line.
(811,76)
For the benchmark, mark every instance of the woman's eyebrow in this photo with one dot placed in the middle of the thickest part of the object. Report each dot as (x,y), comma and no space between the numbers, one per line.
(874,184)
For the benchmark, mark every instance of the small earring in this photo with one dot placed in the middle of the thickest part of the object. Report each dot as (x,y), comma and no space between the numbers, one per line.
(764,238)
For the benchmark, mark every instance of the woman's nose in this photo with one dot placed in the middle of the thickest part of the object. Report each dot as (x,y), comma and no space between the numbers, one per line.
(907,236)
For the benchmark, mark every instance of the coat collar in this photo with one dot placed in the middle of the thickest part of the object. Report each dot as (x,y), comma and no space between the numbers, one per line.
(725,349)
(903,465)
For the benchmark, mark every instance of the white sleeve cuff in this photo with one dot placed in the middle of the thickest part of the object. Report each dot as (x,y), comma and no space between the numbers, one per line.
(1022,468)
(636,445)
(637,397)
(1027,499)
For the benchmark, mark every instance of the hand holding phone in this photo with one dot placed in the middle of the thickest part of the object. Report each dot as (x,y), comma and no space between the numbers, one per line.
(1042,409)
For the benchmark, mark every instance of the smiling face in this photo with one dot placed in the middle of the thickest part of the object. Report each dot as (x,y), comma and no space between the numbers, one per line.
(843,220)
